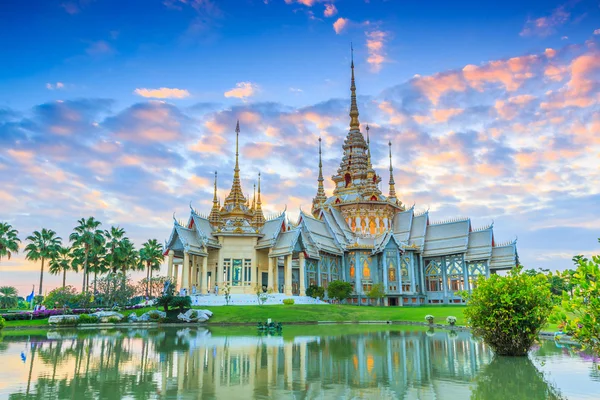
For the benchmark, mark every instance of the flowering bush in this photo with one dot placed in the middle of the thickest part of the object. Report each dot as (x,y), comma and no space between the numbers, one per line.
(288,302)
(450,320)
(43,314)
(429,318)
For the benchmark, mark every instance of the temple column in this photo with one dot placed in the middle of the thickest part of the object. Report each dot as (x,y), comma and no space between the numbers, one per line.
(385,277)
(170,255)
(357,223)
(204,276)
(185,271)
(358,274)
(270,274)
(176,276)
(287,284)
(302,263)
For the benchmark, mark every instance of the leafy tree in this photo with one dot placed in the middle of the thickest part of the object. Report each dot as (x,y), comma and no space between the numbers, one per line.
(114,238)
(60,297)
(61,263)
(508,312)
(157,284)
(315,291)
(581,315)
(43,246)
(8,297)
(339,290)
(9,242)
(114,289)
(85,236)
(377,292)
(151,255)
(129,257)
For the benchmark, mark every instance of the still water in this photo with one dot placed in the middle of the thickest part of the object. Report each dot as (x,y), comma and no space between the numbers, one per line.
(306,362)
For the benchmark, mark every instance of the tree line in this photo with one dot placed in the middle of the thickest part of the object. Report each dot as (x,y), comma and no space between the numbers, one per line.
(89,250)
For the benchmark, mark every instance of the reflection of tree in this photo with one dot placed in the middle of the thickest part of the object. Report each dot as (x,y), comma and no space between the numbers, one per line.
(513,378)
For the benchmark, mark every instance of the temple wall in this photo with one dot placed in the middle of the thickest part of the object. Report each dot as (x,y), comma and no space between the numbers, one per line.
(242,248)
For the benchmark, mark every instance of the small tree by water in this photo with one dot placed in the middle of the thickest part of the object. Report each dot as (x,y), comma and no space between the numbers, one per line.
(509,312)
(339,290)
(377,293)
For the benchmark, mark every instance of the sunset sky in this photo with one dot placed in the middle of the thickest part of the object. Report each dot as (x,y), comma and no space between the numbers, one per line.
(123,110)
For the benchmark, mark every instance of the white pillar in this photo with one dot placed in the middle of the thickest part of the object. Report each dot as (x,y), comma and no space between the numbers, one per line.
(204,276)
(302,263)
(270,274)
(185,272)
(287,284)
(170,256)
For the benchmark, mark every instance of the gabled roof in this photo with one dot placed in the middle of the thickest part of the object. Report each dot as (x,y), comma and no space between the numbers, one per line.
(382,241)
(447,238)
(480,245)
(319,234)
(402,223)
(184,239)
(339,219)
(310,247)
(271,230)
(418,228)
(204,229)
(504,256)
(333,225)
(285,243)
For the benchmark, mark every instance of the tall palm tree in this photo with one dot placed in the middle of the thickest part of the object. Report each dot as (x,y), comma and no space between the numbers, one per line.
(86,235)
(129,256)
(97,261)
(9,242)
(43,246)
(114,237)
(151,255)
(61,263)
(8,297)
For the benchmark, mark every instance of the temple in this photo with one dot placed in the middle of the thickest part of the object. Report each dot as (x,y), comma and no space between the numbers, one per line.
(358,235)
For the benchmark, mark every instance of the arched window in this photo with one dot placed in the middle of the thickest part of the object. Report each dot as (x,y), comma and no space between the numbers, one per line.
(476,269)
(405,264)
(353,224)
(337,201)
(348,179)
(433,275)
(375,178)
(363,225)
(372,227)
(311,268)
(373,198)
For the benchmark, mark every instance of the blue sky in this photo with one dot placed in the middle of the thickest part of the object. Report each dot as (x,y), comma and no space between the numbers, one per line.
(122,110)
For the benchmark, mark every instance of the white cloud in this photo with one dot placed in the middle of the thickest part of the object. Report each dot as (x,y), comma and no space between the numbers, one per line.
(55,86)
(597,32)
(162,93)
(375,40)
(242,90)
(330,10)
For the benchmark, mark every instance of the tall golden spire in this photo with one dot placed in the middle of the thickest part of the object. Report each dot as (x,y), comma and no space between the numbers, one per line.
(259,217)
(354,124)
(254,198)
(368,148)
(215,216)
(321,197)
(236,196)
(392,197)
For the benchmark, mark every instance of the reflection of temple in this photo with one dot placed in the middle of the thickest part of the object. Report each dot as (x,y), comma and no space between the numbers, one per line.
(358,235)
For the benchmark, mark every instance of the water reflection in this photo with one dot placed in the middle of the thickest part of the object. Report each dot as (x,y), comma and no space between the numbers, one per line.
(331,362)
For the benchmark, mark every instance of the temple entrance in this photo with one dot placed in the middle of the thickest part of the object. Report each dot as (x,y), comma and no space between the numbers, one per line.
(296,282)
(281,279)
(208,282)
(265,281)
(392,301)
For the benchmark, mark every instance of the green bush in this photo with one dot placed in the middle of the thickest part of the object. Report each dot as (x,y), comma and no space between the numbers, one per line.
(113,320)
(68,322)
(581,315)
(181,302)
(509,312)
(377,292)
(2,323)
(339,290)
(315,291)
(60,297)
(154,316)
(288,302)
(88,319)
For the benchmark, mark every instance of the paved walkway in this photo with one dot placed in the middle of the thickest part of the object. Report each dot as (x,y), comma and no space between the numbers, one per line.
(250,299)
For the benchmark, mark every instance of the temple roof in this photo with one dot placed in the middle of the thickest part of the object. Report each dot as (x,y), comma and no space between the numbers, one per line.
(285,244)
(480,244)
(319,233)
(447,238)
(184,239)
(401,225)
(504,256)
(270,230)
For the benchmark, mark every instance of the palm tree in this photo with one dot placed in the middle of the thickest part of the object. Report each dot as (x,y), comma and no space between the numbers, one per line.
(129,256)
(8,297)
(61,263)
(151,254)
(43,246)
(86,235)
(114,236)
(9,242)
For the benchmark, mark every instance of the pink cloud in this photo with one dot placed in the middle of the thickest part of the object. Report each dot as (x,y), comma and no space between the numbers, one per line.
(445,114)
(435,86)
(162,93)
(375,40)
(242,90)
(340,24)
(330,10)
(545,26)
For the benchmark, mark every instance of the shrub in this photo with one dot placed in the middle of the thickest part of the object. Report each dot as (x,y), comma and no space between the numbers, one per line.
(429,318)
(288,302)
(154,316)
(583,320)
(60,297)
(377,292)
(508,312)
(68,322)
(2,323)
(113,320)
(450,320)
(181,302)
(87,319)
(165,301)
(339,290)
(315,291)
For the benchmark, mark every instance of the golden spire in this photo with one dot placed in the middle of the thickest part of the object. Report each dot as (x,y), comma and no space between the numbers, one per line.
(236,196)
(215,216)
(368,148)
(321,197)
(392,195)
(254,198)
(259,218)
(354,124)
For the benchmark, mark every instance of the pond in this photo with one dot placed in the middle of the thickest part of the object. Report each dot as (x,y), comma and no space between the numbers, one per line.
(306,362)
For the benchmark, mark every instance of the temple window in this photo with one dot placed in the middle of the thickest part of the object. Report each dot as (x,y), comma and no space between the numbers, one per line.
(433,275)
(363,225)
(348,179)
(405,264)
(311,267)
(476,269)
(372,227)
(373,198)
(455,273)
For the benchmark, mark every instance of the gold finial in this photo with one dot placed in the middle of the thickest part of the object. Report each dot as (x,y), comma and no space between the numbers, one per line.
(320,198)
(215,195)
(392,195)
(368,147)
(258,203)
(254,198)
(215,216)
(236,196)
(354,124)
(259,217)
